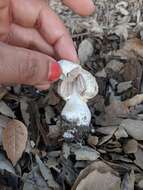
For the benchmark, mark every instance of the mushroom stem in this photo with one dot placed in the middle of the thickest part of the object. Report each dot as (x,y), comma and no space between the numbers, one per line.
(76,87)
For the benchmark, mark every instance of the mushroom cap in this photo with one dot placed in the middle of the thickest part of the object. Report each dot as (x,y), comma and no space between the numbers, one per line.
(76,80)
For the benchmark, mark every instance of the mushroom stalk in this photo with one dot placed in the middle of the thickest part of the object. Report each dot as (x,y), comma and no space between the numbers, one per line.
(76,87)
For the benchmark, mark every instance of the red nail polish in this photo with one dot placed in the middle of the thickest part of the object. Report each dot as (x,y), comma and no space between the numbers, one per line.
(55,72)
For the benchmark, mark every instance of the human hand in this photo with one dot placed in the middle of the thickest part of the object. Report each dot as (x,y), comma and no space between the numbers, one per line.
(32,38)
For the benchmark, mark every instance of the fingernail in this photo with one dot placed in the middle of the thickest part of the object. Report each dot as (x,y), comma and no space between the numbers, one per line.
(55,72)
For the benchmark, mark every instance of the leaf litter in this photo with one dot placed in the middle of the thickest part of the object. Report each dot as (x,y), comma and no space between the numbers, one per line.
(59,155)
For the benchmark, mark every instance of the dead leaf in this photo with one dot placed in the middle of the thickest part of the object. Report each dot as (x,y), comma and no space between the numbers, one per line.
(97,176)
(133,72)
(124,86)
(105,139)
(138,99)
(3,92)
(66,150)
(131,146)
(139,158)
(52,98)
(5,164)
(134,128)
(14,140)
(85,50)
(3,124)
(122,30)
(98,181)
(47,175)
(107,130)
(121,133)
(6,110)
(140,184)
(116,109)
(49,114)
(24,110)
(93,140)
(134,45)
(34,181)
(84,153)
(128,181)
(114,65)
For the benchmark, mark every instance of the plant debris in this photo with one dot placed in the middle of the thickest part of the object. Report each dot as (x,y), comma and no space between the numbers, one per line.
(59,155)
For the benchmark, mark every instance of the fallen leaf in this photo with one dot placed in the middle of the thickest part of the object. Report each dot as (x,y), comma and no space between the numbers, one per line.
(124,86)
(66,150)
(122,8)
(98,181)
(133,72)
(138,99)
(5,164)
(107,130)
(3,124)
(93,140)
(14,140)
(6,110)
(97,176)
(128,181)
(134,45)
(49,114)
(47,175)
(131,147)
(140,184)
(122,30)
(34,181)
(84,153)
(24,110)
(3,92)
(114,65)
(139,158)
(85,50)
(105,139)
(134,128)
(121,133)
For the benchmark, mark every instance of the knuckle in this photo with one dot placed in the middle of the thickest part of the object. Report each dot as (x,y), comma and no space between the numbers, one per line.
(4,4)
(29,69)
(4,19)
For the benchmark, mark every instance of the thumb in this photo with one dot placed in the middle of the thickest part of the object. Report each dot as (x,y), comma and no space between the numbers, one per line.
(23,66)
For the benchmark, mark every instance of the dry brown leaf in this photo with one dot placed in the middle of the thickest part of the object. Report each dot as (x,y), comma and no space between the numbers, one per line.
(85,50)
(128,181)
(3,124)
(14,140)
(138,99)
(3,92)
(97,176)
(98,181)
(134,128)
(131,146)
(24,110)
(139,158)
(134,45)
(6,110)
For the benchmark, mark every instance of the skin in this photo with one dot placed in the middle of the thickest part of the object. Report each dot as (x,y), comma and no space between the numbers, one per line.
(32,38)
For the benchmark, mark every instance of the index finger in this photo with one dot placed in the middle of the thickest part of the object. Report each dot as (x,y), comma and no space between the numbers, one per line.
(36,13)
(82,7)
(4,19)
(54,31)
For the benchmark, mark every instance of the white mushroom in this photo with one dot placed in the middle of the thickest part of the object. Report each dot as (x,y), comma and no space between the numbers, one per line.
(76,87)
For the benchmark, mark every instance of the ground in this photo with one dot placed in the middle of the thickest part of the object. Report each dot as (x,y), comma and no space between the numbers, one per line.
(110,152)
